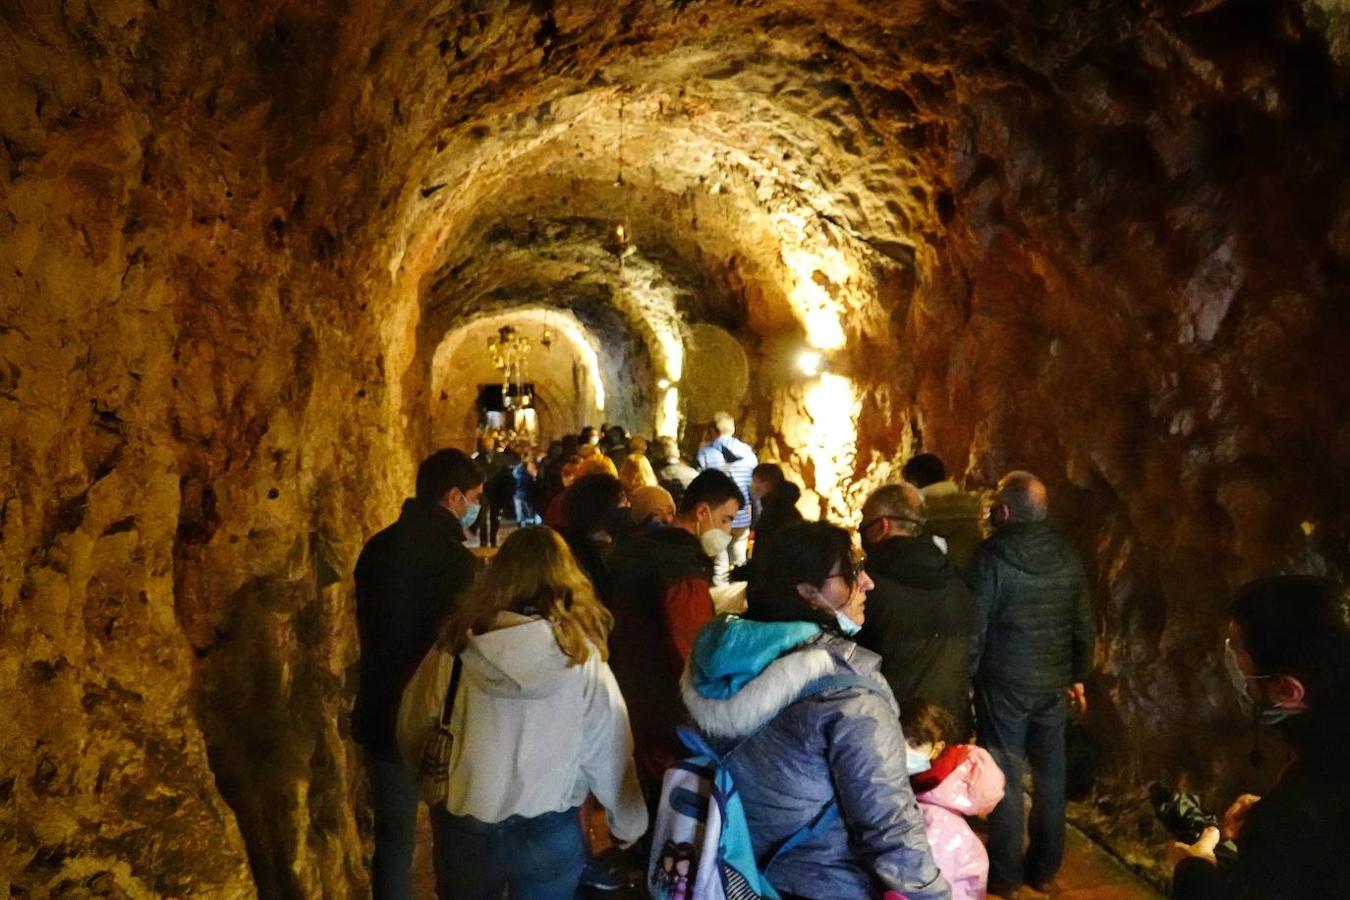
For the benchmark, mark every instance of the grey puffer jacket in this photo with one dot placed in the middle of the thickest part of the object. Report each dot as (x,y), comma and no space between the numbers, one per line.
(790,758)
(1037,624)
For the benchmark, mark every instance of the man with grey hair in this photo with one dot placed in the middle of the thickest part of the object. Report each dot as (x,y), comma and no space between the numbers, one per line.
(920,614)
(1031,656)
(727,453)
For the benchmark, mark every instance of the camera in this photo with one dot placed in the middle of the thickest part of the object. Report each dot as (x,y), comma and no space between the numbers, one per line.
(1186,819)
(1181,814)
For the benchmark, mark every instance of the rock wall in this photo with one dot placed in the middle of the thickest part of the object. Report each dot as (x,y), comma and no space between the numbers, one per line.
(1105,242)
(1146,308)
(191,406)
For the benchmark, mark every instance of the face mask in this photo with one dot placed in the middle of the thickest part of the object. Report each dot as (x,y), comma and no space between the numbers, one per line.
(916,761)
(714,541)
(1263,713)
(846,625)
(470,514)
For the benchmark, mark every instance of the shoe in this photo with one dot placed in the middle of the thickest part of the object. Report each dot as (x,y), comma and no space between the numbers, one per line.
(606,873)
(1050,887)
(1001,892)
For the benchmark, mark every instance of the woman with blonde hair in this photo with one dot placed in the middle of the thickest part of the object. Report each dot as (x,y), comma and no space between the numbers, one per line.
(636,472)
(538,723)
(597,464)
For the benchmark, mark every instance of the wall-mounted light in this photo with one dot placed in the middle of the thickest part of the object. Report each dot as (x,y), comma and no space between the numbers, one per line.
(664,384)
(810,363)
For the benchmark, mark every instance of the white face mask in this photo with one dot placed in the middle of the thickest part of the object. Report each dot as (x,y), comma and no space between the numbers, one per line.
(846,625)
(916,761)
(1264,713)
(715,541)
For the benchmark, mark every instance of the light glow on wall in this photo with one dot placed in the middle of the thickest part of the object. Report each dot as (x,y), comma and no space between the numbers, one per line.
(815,307)
(832,405)
(670,362)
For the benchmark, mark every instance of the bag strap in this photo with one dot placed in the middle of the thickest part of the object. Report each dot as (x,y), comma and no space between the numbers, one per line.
(830,813)
(824,819)
(449,705)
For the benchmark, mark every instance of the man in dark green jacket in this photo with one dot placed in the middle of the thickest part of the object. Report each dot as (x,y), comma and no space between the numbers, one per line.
(1032,652)
(920,615)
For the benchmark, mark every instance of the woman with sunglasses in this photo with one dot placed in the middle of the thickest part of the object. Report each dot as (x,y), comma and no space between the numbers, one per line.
(809,729)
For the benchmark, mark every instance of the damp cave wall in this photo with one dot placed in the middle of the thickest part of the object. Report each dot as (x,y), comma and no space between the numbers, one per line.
(1133,283)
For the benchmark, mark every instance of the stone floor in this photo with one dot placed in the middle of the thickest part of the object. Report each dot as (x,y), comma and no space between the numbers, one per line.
(1089,873)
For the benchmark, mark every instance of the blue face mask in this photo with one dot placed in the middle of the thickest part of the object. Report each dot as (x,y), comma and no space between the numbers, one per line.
(470,514)
(916,761)
(846,625)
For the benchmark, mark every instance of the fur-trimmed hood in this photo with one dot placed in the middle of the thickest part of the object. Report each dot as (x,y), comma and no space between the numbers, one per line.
(741,673)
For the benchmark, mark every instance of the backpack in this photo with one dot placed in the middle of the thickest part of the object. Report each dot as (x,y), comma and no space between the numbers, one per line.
(701,847)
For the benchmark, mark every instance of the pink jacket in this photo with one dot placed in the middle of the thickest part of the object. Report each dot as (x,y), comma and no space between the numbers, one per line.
(973,787)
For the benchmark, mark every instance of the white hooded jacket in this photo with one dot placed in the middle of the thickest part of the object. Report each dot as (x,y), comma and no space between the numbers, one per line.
(532,735)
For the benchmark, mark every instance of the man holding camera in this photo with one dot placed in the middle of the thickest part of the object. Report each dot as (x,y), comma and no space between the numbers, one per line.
(1288,655)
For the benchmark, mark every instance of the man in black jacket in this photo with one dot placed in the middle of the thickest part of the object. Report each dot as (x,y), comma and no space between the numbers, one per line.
(408,578)
(1033,649)
(1288,655)
(920,615)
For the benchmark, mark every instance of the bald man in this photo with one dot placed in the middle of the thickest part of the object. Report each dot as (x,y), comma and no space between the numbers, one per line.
(920,615)
(1032,652)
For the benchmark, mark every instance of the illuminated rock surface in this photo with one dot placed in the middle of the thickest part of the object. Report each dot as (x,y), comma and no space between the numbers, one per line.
(1104,244)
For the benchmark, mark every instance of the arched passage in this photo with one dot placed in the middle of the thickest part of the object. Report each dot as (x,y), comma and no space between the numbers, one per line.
(572,386)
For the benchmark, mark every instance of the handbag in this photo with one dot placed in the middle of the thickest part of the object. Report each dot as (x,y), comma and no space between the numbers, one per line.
(433,770)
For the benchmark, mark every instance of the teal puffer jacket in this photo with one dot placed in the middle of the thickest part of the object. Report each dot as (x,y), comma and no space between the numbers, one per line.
(791,758)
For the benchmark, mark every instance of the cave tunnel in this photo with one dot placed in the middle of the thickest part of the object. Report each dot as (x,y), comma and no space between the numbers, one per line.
(252,253)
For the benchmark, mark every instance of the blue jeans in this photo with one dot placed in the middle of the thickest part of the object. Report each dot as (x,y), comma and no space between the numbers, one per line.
(525,514)
(393,800)
(1011,725)
(541,858)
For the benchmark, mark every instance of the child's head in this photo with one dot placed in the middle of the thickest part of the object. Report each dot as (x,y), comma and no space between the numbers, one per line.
(928,728)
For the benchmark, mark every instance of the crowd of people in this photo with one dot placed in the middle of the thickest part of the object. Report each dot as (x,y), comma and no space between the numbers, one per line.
(872,693)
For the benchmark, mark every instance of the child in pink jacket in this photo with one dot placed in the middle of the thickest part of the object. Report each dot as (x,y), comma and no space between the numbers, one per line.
(951,780)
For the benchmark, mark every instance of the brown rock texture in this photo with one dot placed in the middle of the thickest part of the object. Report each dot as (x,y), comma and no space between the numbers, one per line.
(1104,241)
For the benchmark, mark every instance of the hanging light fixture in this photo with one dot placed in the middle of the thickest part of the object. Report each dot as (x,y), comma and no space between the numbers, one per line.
(510,351)
(621,234)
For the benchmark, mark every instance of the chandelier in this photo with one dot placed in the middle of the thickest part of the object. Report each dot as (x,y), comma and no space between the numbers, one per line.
(510,352)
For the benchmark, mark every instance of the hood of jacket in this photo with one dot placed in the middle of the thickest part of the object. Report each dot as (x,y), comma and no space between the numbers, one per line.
(972,786)
(425,515)
(730,444)
(939,489)
(741,673)
(1036,548)
(661,549)
(912,561)
(520,661)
